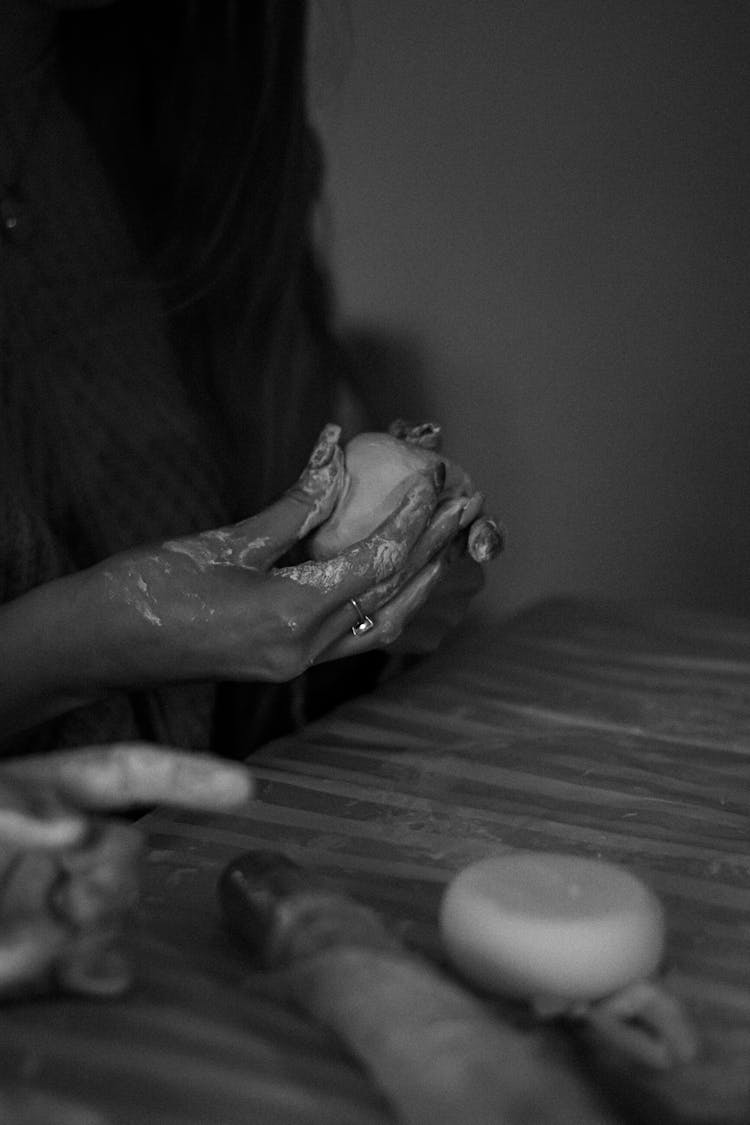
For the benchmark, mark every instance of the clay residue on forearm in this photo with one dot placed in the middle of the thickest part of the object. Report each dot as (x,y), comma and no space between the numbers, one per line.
(223,546)
(140,584)
(131,587)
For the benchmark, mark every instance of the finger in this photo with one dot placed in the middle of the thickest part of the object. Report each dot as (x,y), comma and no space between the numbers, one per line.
(446,607)
(378,557)
(457,480)
(257,542)
(272,532)
(388,621)
(427,435)
(28,948)
(32,816)
(131,773)
(473,509)
(436,539)
(99,881)
(95,966)
(486,539)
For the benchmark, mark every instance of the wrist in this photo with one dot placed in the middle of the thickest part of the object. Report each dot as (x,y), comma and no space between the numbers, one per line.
(120,650)
(149,621)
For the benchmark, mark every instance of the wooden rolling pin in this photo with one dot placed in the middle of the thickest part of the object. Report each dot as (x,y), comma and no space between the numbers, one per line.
(440,1055)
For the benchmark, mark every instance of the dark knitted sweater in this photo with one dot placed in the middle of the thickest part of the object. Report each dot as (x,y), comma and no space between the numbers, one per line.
(102,446)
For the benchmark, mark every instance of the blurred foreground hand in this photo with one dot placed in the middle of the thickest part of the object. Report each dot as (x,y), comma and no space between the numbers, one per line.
(69,872)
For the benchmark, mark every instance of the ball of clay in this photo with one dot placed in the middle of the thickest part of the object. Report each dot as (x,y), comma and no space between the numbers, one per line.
(378,467)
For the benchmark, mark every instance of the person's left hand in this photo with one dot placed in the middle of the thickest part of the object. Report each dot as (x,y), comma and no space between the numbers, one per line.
(69,873)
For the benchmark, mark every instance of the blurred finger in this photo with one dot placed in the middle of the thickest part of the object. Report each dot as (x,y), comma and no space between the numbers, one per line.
(131,773)
(28,949)
(99,881)
(95,966)
(32,816)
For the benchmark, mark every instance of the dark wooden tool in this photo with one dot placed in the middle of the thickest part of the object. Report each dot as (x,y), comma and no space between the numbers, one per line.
(440,1055)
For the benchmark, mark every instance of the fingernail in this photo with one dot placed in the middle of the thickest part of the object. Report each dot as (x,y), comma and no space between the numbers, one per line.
(439,476)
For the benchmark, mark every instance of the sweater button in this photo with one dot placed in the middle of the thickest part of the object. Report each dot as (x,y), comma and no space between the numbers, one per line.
(14,219)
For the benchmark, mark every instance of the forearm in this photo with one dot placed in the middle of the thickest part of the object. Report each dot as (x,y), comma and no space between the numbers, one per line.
(50,647)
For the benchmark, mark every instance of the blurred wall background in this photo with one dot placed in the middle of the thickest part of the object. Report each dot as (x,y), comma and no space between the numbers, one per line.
(539,227)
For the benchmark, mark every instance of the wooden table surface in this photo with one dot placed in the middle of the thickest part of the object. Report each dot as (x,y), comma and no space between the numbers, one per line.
(614,732)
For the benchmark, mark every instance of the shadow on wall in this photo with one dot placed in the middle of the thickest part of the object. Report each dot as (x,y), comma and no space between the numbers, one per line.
(682,540)
(550,199)
(389,371)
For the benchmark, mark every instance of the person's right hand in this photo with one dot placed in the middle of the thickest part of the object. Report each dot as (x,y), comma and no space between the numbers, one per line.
(216,606)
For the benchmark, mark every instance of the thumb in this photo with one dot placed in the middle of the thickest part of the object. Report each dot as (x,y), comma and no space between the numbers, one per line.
(260,540)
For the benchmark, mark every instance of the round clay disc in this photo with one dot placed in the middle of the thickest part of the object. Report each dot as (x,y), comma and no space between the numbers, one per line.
(546,926)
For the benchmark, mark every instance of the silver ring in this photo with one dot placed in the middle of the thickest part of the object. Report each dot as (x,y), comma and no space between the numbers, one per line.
(364,624)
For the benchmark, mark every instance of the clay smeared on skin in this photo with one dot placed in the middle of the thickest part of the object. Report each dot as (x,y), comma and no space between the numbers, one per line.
(375,558)
(133,591)
(377,471)
(377,466)
(135,588)
(318,488)
(224,546)
(322,480)
(328,576)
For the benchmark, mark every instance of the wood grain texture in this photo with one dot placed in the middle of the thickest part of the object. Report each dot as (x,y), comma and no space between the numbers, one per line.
(614,732)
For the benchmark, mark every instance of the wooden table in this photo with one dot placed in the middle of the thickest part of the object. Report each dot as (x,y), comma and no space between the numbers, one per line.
(611,732)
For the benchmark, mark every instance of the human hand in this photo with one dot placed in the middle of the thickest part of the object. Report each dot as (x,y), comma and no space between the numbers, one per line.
(478,540)
(69,873)
(217,605)
(376,467)
(482,538)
